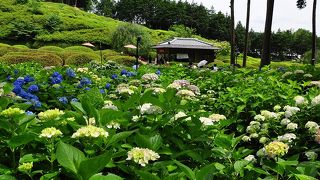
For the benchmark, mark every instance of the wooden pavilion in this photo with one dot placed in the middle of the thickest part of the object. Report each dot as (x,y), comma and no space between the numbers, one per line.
(186,50)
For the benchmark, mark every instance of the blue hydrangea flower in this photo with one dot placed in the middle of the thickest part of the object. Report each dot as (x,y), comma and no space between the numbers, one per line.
(74,100)
(130,74)
(16,71)
(37,104)
(18,82)
(87,89)
(56,78)
(9,78)
(114,76)
(102,91)
(70,73)
(123,72)
(28,79)
(158,72)
(85,81)
(33,88)
(63,100)
(108,86)
(30,113)
(17,89)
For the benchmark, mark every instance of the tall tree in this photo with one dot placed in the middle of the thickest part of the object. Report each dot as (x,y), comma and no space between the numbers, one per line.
(232,41)
(265,58)
(302,4)
(245,51)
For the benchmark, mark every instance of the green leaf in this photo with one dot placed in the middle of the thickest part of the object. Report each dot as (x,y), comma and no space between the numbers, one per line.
(144,175)
(107,177)
(239,166)
(25,119)
(49,176)
(304,177)
(288,163)
(119,137)
(93,165)
(7,88)
(32,158)
(153,142)
(223,141)
(21,139)
(78,106)
(205,171)
(7,177)
(69,157)
(188,172)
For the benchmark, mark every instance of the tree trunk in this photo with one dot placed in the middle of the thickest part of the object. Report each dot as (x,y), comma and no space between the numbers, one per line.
(314,33)
(265,58)
(232,42)
(75,3)
(245,52)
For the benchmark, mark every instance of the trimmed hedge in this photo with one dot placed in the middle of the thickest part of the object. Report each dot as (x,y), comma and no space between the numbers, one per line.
(78,48)
(81,58)
(45,59)
(51,48)
(126,60)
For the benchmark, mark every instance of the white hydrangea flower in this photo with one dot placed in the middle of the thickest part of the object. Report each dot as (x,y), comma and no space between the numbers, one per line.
(135,118)
(142,156)
(158,90)
(277,108)
(250,158)
(286,74)
(300,100)
(50,114)
(246,138)
(263,140)
(312,126)
(316,100)
(148,108)
(181,114)
(254,135)
(109,105)
(285,121)
(91,132)
(311,155)
(150,77)
(299,71)
(182,82)
(217,117)
(194,89)
(308,76)
(288,137)
(206,121)
(292,126)
(49,133)
(174,86)
(185,93)
(113,125)
(259,117)
(290,111)
(269,115)
(91,121)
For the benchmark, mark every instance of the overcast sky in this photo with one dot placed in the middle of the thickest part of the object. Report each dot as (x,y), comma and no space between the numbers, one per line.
(286,14)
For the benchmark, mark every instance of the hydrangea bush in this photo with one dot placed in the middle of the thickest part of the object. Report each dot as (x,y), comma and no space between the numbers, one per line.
(108,121)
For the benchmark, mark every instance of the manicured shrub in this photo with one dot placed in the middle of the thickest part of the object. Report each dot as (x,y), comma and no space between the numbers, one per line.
(79,48)
(21,47)
(121,59)
(6,49)
(81,58)
(45,59)
(51,48)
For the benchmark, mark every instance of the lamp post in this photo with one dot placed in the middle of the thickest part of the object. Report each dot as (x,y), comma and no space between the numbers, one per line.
(137,51)
(100,52)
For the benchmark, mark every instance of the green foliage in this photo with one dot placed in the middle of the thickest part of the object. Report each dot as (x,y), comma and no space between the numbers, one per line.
(182,30)
(51,48)
(45,59)
(121,59)
(35,6)
(53,22)
(78,49)
(81,58)
(127,34)
(306,59)
(22,1)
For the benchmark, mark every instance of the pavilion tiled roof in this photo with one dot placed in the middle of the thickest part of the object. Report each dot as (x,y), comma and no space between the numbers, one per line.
(186,43)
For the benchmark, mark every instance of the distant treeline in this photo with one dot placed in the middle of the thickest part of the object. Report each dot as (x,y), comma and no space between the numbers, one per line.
(163,14)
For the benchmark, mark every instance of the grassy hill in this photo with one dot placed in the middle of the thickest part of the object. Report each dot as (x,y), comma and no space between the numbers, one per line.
(48,23)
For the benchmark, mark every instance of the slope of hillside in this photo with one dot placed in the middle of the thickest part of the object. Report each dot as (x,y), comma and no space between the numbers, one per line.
(54,23)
